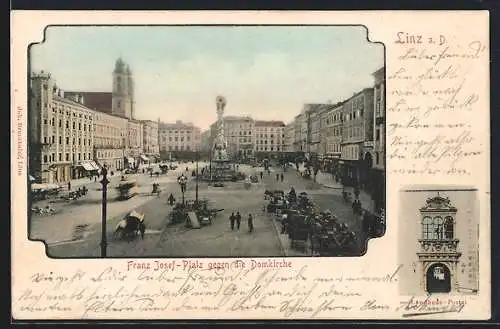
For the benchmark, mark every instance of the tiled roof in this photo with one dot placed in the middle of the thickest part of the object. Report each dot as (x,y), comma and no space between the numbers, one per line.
(271,123)
(96,100)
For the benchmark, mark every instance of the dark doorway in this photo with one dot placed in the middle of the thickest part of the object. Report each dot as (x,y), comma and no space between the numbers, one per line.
(438,279)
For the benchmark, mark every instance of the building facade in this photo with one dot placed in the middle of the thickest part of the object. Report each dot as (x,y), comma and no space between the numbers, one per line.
(178,138)
(123,90)
(110,140)
(238,132)
(313,128)
(289,138)
(378,170)
(134,141)
(151,148)
(331,137)
(61,134)
(357,139)
(269,137)
(205,145)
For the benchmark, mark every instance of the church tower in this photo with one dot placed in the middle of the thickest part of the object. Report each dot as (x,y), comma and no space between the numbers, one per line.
(438,255)
(122,98)
(130,81)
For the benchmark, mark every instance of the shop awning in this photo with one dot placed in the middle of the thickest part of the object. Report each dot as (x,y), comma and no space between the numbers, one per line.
(87,166)
(31,178)
(144,158)
(94,165)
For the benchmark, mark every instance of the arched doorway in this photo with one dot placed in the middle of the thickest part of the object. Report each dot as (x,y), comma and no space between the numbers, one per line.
(438,278)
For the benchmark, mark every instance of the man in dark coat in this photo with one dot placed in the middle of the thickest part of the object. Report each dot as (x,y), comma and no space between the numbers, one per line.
(232,218)
(238,220)
(250,223)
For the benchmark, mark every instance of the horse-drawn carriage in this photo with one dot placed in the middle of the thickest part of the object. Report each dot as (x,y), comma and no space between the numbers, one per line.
(299,229)
(130,226)
(126,189)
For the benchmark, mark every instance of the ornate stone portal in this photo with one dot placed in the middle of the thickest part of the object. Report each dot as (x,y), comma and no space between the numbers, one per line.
(438,255)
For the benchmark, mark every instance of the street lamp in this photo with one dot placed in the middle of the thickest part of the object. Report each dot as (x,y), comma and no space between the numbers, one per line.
(104,183)
(182,180)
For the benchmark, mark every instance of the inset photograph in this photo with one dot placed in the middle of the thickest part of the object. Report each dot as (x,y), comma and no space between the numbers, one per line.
(439,241)
(206,141)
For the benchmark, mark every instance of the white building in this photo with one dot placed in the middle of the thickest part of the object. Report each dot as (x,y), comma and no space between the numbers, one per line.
(269,136)
(61,135)
(150,135)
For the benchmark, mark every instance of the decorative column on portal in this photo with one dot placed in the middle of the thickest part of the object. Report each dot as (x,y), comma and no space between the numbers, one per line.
(438,255)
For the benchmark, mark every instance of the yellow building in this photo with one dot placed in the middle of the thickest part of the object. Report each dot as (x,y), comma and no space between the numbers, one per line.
(134,147)
(110,140)
(179,137)
(60,135)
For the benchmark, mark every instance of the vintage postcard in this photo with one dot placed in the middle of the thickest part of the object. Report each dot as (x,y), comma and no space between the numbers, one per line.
(250,165)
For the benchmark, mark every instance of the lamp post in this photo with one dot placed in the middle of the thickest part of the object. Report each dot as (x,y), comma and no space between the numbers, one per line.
(104,183)
(182,180)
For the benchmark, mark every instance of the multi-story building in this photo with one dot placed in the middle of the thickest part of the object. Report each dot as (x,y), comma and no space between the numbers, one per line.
(178,138)
(110,140)
(205,141)
(378,171)
(238,132)
(297,138)
(357,139)
(331,137)
(289,138)
(123,103)
(135,145)
(313,114)
(269,137)
(151,148)
(61,136)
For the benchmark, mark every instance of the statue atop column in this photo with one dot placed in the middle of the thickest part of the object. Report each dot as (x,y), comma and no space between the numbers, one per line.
(220,145)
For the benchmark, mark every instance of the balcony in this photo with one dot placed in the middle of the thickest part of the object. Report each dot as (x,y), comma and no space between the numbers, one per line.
(432,246)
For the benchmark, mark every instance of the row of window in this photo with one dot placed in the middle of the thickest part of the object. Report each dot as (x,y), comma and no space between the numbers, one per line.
(52,122)
(265,148)
(52,139)
(176,148)
(109,154)
(68,112)
(176,139)
(52,157)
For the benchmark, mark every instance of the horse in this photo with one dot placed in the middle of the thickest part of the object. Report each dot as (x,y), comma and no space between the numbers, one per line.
(130,227)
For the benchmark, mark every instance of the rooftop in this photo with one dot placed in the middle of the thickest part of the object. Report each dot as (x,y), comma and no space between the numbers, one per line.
(269,123)
(95,100)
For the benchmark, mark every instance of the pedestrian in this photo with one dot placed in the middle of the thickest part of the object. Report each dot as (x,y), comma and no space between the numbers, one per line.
(282,177)
(238,220)
(250,223)
(232,219)
(261,175)
(277,177)
(171,199)
(69,185)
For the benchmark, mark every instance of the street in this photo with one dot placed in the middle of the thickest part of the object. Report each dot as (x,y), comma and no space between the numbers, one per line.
(216,240)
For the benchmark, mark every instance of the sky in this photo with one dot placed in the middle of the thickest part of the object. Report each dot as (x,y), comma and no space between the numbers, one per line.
(267,72)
